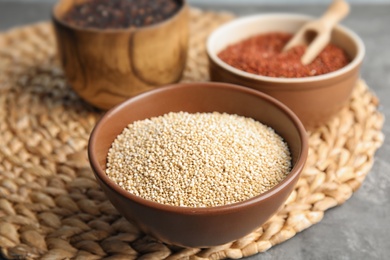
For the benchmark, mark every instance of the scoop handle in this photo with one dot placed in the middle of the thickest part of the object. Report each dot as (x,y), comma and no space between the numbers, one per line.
(335,13)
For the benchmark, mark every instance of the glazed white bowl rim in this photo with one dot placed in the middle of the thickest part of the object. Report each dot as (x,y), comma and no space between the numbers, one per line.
(241,21)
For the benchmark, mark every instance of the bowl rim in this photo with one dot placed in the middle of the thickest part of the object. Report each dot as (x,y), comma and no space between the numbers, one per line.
(183,8)
(241,21)
(293,174)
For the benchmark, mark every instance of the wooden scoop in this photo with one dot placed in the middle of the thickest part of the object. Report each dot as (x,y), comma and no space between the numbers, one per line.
(316,34)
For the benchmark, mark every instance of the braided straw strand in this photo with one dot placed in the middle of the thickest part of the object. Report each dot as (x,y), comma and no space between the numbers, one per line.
(51,207)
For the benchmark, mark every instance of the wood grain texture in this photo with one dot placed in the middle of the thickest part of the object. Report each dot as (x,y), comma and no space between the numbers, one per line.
(105,67)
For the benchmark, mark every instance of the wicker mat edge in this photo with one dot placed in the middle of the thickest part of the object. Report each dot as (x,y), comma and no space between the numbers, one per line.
(50,204)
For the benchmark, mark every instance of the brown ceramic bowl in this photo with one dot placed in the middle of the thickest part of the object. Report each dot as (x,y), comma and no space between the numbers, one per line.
(314,99)
(107,66)
(199,227)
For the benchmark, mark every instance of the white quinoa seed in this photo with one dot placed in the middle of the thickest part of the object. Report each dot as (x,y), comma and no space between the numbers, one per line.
(198,160)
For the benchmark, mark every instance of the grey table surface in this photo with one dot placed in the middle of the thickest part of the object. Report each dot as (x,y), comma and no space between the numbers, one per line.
(360,228)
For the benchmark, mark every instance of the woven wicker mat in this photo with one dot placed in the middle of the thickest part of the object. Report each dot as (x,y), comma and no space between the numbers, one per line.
(52,208)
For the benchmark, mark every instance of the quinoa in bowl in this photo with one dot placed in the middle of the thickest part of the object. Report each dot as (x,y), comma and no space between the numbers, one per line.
(199,159)
(211,222)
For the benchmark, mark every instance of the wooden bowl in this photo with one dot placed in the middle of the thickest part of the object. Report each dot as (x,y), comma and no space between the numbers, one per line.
(199,227)
(107,66)
(314,99)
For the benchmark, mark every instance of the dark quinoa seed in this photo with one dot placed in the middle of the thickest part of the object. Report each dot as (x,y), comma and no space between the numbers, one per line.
(120,14)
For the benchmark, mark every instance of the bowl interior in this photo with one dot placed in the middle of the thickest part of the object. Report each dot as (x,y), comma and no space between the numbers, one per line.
(243,28)
(199,97)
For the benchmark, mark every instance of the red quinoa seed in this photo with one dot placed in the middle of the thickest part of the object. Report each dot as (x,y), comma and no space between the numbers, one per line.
(262,54)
